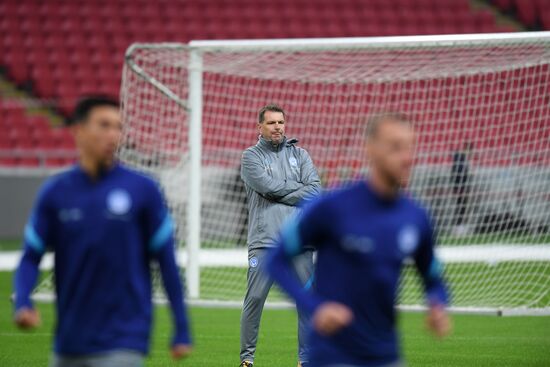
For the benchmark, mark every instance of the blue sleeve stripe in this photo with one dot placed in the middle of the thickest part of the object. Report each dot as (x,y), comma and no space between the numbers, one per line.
(309,282)
(33,239)
(290,234)
(163,234)
(435,270)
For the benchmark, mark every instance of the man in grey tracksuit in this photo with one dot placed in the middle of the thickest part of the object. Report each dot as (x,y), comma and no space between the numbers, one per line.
(278,175)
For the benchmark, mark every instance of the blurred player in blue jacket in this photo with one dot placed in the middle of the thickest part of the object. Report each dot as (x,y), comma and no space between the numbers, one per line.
(106,224)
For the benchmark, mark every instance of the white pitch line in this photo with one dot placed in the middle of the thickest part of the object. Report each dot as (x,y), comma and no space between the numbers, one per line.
(489,253)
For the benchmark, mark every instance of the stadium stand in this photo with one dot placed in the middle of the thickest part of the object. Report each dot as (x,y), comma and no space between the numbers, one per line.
(60,49)
(30,140)
(534,14)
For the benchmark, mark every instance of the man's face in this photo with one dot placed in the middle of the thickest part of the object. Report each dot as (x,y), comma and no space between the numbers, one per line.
(272,128)
(98,136)
(391,152)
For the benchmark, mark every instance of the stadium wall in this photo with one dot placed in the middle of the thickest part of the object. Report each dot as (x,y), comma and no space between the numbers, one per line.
(17,194)
(494,191)
(501,200)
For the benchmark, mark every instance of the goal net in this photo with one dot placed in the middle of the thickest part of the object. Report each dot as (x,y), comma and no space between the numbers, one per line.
(480,105)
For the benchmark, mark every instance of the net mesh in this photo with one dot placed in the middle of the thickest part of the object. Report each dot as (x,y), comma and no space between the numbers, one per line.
(481,111)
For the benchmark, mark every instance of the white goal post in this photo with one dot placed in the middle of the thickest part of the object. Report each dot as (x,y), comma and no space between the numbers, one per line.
(480,105)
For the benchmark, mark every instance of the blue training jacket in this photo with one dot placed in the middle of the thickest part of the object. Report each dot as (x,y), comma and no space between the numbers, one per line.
(105,234)
(362,241)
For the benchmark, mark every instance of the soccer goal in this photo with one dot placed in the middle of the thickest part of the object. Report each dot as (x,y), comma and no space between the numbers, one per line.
(480,105)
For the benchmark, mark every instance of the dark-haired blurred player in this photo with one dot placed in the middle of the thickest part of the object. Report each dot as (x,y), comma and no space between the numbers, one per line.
(363,234)
(105,224)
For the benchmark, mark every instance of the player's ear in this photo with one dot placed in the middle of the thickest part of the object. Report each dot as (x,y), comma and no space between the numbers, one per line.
(76,130)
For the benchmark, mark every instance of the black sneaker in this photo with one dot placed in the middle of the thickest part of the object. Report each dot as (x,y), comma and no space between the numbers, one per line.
(246,364)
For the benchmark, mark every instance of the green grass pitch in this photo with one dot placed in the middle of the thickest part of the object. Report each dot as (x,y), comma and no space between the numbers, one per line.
(476,341)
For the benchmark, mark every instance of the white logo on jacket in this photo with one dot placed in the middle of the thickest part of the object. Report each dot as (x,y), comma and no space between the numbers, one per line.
(119,202)
(293,162)
(361,244)
(407,239)
(70,215)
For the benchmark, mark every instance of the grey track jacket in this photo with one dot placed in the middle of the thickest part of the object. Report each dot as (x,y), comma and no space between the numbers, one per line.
(276,179)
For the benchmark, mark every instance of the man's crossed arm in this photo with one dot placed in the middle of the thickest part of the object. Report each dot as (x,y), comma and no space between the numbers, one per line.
(285,191)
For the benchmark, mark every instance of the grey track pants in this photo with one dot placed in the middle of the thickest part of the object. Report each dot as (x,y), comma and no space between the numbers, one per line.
(258,288)
(115,358)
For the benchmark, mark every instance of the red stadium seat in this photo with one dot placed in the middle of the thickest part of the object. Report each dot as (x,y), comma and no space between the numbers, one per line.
(43,85)
(6,143)
(526,11)
(29,162)
(503,4)
(8,161)
(24,142)
(54,162)
(17,66)
(545,19)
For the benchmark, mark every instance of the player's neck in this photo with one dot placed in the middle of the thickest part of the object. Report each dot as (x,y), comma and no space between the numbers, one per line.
(93,167)
(381,186)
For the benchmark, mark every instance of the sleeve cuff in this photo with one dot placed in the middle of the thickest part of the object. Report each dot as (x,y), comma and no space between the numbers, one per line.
(437,297)
(25,303)
(181,338)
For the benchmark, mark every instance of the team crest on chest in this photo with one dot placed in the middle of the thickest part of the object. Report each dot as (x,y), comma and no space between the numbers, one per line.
(407,239)
(119,202)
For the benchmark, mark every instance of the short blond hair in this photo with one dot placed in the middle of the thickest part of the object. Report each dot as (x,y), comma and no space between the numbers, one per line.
(375,121)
